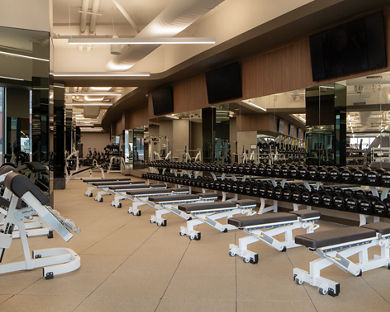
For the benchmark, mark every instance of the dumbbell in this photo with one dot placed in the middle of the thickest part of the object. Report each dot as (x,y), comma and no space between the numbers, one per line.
(385,178)
(270,192)
(374,176)
(262,189)
(351,203)
(312,173)
(260,170)
(365,204)
(278,193)
(287,192)
(303,172)
(379,207)
(359,177)
(323,173)
(293,172)
(316,198)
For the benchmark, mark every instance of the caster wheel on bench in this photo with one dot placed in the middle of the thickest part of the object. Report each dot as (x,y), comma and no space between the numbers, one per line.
(119,205)
(138,213)
(323,291)
(50,234)
(49,275)
(255,259)
(232,254)
(164,223)
(197,236)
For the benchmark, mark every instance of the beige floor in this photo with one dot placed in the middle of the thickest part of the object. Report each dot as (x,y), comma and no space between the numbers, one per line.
(129,264)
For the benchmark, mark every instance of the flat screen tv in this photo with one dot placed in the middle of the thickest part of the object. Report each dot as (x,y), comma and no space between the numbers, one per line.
(224,83)
(162,99)
(354,47)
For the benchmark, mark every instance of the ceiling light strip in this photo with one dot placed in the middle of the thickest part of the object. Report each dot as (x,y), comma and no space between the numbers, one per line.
(89,104)
(24,56)
(94,93)
(11,78)
(152,40)
(101,74)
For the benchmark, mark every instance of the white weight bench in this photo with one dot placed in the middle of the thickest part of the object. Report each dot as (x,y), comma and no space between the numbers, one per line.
(121,189)
(141,197)
(264,227)
(53,261)
(335,247)
(120,192)
(169,204)
(98,185)
(209,213)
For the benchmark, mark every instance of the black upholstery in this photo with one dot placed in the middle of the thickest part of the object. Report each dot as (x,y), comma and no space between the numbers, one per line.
(246,202)
(6,168)
(158,191)
(334,237)
(20,184)
(137,186)
(380,227)
(114,183)
(105,180)
(4,202)
(206,206)
(257,219)
(160,199)
(35,166)
(306,213)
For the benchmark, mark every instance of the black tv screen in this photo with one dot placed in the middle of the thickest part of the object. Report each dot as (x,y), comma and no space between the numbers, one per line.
(224,83)
(162,99)
(354,47)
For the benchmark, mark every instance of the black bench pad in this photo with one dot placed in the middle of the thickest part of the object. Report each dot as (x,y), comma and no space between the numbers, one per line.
(380,227)
(306,213)
(159,199)
(136,186)
(105,180)
(158,191)
(246,202)
(334,237)
(113,183)
(257,219)
(206,206)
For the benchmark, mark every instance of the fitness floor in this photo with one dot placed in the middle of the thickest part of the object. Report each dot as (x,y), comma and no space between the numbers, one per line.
(128,264)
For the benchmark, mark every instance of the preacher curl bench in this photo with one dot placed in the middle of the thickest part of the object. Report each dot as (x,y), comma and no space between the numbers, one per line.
(53,261)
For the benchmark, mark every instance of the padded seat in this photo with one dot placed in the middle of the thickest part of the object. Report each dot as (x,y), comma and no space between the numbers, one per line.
(158,191)
(306,213)
(246,202)
(206,206)
(20,184)
(160,199)
(105,180)
(113,183)
(243,221)
(136,186)
(380,227)
(334,237)
(6,168)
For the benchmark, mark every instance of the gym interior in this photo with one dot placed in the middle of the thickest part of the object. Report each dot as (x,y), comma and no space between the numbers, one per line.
(195,155)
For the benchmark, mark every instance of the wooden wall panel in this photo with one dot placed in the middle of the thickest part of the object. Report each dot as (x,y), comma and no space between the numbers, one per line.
(137,117)
(190,94)
(289,68)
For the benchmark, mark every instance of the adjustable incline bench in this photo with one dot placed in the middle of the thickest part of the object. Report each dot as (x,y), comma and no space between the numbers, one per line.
(94,184)
(210,212)
(34,225)
(263,228)
(120,191)
(141,197)
(169,204)
(336,246)
(53,261)
(115,189)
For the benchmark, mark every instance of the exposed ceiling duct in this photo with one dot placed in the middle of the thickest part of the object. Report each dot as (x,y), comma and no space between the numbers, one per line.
(83,16)
(95,9)
(171,21)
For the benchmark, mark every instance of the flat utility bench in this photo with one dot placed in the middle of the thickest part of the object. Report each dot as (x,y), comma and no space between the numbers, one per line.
(169,204)
(141,197)
(336,246)
(94,184)
(264,227)
(119,191)
(209,213)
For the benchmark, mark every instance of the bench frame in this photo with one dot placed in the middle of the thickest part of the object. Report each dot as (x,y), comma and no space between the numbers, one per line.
(265,233)
(338,255)
(210,217)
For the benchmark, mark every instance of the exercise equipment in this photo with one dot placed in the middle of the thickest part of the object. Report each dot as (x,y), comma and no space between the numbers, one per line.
(53,261)
(265,227)
(336,246)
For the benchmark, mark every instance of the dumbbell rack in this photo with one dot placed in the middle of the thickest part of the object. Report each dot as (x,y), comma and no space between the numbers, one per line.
(309,185)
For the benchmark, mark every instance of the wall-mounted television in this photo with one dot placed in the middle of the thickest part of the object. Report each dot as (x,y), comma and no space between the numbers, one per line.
(224,83)
(353,47)
(162,99)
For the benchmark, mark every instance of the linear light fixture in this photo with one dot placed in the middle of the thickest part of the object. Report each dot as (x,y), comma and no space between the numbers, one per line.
(94,93)
(101,74)
(250,103)
(12,78)
(24,56)
(100,88)
(151,40)
(89,104)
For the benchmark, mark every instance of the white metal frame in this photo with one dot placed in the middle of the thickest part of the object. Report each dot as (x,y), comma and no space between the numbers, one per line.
(265,233)
(338,255)
(211,216)
(53,261)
